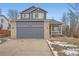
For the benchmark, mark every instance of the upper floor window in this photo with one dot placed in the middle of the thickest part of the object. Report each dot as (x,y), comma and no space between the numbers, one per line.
(2,20)
(40,15)
(22,15)
(26,15)
(34,15)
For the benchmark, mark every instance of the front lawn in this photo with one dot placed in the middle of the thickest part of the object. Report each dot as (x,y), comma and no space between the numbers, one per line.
(64,46)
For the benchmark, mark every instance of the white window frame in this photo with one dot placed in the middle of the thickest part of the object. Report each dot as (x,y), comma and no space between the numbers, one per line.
(34,15)
(22,15)
(56,28)
(2,20)
(26,16)
(40,15)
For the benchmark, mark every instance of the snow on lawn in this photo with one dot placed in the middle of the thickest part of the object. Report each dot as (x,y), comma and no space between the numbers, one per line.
(64,44)
(70,50)
(0,41)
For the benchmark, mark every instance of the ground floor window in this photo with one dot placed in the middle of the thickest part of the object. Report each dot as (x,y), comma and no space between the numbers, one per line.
(55,27)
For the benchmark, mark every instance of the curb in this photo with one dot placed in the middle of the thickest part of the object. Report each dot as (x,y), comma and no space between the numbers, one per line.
(50,48)
(54,53)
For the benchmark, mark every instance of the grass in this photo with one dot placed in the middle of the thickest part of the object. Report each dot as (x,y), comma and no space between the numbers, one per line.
(69,40)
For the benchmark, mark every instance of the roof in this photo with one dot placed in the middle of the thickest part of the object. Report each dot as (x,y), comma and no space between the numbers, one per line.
(31,9)
(55,22)
(52,21)
(4,17)
(31,20)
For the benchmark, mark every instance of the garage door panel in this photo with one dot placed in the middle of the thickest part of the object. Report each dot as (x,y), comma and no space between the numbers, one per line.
(30,33)
(27,32)
(30,30)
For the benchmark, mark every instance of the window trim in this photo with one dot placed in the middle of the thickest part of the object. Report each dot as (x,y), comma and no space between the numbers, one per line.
(26,15)
(39,14)
(34,15)
(57,26)
(2,20)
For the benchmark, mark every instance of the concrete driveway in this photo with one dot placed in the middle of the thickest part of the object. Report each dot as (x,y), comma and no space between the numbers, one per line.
(27,47)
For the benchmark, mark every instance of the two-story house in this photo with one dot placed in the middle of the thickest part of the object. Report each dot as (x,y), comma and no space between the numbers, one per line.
(34,24)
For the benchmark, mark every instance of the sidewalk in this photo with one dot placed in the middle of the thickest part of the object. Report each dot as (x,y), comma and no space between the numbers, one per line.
(27,47)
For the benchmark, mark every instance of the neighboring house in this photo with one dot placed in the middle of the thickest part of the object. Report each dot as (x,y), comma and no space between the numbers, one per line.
(4,22)
(34,24)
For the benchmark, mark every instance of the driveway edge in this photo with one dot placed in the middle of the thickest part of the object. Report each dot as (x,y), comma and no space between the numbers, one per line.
(50,48)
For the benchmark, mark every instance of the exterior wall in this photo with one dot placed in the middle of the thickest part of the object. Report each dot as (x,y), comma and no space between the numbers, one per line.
(46,30)
(13,29)
(23,15)
(5,23)
(29,24)
(37,14)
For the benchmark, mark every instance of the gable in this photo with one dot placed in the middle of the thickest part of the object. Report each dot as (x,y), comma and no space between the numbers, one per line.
(32,9)
(38,10)
(3,17)
(29,9)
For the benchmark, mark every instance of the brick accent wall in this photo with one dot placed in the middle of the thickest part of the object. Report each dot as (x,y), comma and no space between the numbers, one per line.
(46,30)
(13,29)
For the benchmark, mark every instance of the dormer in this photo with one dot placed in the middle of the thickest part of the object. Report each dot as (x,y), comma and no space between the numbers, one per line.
(34,13)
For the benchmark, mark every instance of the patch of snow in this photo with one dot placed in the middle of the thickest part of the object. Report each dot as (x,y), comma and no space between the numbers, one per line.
(49,42)
(0,41)
(71,52)
(76,49)
(8,39)
(55,53)
(52,48)
(58,42)
(67,45)
(64,44)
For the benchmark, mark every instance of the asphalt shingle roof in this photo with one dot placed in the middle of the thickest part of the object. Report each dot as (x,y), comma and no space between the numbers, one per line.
(55,22)
(32,9)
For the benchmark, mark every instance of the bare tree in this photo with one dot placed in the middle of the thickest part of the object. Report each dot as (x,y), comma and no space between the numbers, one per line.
(71,22)
(65,24)
(0,11)
(74,18)
(12,14)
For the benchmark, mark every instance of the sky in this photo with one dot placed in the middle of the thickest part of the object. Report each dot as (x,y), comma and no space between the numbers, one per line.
(55,10)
